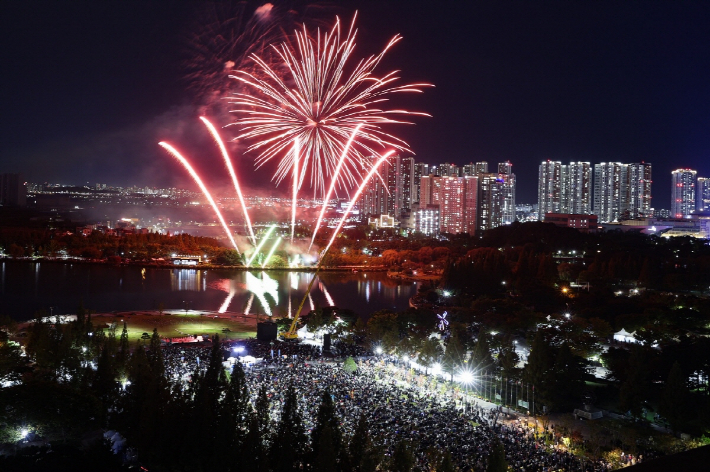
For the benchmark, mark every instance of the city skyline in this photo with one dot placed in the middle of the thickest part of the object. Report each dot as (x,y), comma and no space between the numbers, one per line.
(601,83)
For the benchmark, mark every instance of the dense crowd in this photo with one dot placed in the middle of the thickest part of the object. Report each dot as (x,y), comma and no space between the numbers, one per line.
(395,409)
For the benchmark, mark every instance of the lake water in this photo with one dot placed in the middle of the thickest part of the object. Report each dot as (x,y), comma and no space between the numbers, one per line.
(27,287)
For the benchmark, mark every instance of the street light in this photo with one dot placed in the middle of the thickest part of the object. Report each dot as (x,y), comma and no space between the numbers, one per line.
(378,350)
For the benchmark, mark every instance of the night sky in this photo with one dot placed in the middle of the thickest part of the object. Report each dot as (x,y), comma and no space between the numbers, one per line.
(89,87)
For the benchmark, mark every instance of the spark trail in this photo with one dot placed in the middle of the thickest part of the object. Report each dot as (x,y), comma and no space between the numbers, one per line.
(228,162)
(271,252)
(296,152)
(261,245)
(354,199)
(206,192)
(333,181)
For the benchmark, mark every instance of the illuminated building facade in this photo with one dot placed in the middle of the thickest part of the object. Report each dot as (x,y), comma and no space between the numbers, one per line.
(683,193)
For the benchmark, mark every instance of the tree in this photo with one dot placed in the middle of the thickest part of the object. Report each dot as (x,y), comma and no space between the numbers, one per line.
(674,398)
(10,361)
(446,464)
(496,459)
(327,450)
(430,353)
(537,370)
(568,374)
(453,354)
(364,457)
(349,365)
(289,449)
(402,458)
(508,358)
(481,356)
(234,409)
(634,390)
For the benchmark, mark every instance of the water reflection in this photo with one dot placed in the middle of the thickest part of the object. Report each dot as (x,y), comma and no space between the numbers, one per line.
(27,287)
(186,280)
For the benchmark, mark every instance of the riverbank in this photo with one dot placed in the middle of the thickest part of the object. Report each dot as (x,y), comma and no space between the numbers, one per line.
(204,266)
(169,323)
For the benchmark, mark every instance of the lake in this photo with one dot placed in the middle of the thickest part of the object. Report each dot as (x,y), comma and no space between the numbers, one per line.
(28,287)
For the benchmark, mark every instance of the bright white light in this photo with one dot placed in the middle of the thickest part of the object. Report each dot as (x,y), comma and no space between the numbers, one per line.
(466,377)
(567,315)
(406,358)
(239,349)
(23,433)
(446,293)
(378,350)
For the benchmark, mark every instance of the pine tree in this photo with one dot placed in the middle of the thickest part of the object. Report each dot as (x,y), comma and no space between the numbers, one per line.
(507,358)
(453,354)
(496,459)
(289,449)
(634,390)
(235,409)
(481,358)
(327,451)
(402,458)
(446,464)
(254,457)
(155,356)
(674,398)
(364,457)
(537,370)
(568,379)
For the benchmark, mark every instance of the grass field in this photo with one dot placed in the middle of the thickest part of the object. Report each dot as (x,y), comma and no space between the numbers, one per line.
(177,325)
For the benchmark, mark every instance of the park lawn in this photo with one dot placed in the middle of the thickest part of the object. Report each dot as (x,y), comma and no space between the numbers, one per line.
(175,326)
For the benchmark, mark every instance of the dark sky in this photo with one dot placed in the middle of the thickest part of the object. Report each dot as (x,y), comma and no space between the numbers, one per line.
(89,87)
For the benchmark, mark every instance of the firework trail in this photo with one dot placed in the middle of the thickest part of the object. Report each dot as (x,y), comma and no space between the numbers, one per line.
(320,100)
(296,152)
(323,289)
(261,245)
(354,199)
(333,181)
(227,301)
(247,308)
(197,180)
(228,162)
(271,252)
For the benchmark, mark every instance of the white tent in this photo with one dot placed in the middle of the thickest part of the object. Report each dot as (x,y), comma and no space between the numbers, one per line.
(625,337)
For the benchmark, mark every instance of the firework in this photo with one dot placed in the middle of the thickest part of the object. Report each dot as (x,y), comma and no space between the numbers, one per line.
(228,162)
(197,180)
(320,100)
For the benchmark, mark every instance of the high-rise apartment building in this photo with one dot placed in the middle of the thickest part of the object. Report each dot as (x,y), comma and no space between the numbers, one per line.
(507,206)
(610,193)
(490,193)
(702,194)
(468,170)
(639,200)
(549,188)
(13,190)
(683,193)
(391,192)
(420,170)
(576,188)
(456,198)
(622,191)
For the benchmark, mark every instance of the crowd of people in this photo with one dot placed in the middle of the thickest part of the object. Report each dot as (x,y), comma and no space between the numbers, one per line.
(395,409)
